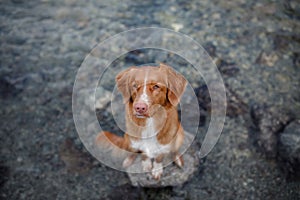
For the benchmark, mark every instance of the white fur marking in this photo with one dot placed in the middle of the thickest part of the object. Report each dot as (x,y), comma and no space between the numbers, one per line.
(157,170)
(147,165)
(127,162)
(144,96)
(178,161)
(148,142)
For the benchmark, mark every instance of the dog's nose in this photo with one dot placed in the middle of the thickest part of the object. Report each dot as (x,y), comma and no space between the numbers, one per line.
(140,108)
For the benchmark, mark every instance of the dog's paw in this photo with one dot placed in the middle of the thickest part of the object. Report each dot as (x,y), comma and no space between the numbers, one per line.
(179,161)
(157,170)
(128,161)
(147,165)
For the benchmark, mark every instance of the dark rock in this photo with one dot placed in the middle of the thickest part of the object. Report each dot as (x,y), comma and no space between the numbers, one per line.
(267,58)
(172,175)
(75,160)
(282,40)
(125,191)
(268,122)
(107,122)
(204,99)
(16,39)
(289,149)
(7,89)
(296,59)
(135,57)
(210,48)
(18,1)
(292,9)
(4,174)
(235,105)
(225,67)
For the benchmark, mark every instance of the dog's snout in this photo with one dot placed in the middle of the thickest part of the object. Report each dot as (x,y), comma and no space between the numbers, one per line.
(141,108)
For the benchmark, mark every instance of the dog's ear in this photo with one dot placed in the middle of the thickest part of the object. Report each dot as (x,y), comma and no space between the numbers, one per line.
(176,84)
(122,80)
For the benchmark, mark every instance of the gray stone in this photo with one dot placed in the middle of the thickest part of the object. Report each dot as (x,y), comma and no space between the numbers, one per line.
(269,122)
(289,149)
(172,175)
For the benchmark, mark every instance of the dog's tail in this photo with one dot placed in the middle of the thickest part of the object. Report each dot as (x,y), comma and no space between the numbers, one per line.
(118,146)
(112,142)
(107,138)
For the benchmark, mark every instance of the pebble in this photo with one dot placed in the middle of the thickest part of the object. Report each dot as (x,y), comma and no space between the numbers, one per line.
(268,59)
(177,27)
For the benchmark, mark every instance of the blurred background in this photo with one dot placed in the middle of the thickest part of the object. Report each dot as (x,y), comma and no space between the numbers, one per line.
(255,45)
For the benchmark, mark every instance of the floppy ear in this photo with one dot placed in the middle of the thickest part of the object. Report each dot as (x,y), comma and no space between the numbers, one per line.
(122,80)
(176,84)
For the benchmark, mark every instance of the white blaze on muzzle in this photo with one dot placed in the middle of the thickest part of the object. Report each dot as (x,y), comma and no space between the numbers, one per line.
(144,96)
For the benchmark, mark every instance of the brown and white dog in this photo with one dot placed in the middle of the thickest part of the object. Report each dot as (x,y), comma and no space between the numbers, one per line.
(151,95)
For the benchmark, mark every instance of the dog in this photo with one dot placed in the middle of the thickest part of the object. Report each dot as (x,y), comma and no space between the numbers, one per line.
(151,95)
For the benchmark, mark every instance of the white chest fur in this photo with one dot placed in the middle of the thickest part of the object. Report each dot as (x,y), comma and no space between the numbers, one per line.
(148,143)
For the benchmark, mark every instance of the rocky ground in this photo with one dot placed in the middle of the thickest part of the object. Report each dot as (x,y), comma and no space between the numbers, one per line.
(254,44)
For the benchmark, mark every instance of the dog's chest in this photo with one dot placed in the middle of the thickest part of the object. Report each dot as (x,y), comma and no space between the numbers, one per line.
(148,143)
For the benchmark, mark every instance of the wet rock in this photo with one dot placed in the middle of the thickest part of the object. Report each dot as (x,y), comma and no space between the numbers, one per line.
(289,149)
(204,99)
(75,160)
(32,82)
(172,175)
(292,8)
(4,174)
(107,121)
(125,191)
(235,105)
(50,35)
(18,1)
(7,88)
(283,39)
(268,59)
(296,59)
(268,122)
(104,97)
(225,67)
(136,57)
(16,39)
(266,8)
(211,49)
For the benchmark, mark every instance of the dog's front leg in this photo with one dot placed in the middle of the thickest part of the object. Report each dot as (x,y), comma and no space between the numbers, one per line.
(178,159)
(157,169)
(146,163)
(129,160)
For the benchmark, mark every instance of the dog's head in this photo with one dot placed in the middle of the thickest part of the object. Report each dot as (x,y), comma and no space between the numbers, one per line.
(148,87)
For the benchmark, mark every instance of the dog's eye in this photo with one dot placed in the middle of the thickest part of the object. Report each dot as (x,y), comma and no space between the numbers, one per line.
(155,87)
(134,86)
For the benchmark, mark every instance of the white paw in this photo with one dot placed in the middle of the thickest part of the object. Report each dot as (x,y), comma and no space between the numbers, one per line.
(147,165)
(128,161)
(157,170)
(179,161)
